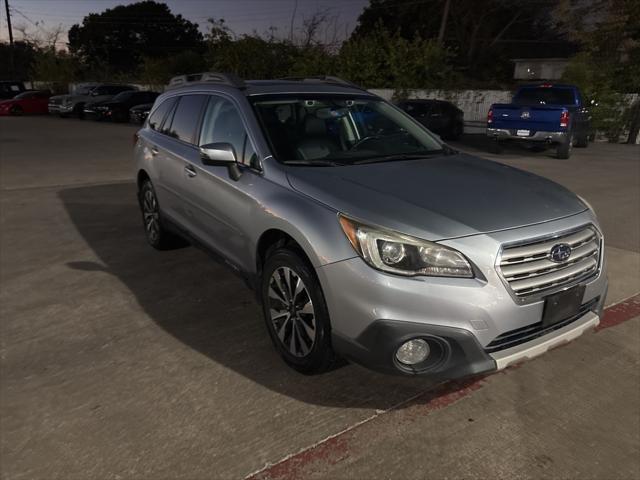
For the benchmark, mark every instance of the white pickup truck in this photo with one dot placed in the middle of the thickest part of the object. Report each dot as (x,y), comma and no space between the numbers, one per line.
(73,104)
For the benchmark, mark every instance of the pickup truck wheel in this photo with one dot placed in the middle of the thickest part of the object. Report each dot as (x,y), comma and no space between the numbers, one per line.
(157,235)
(495,147)
(582,141)
(563,150)
(78,110)
(296,313)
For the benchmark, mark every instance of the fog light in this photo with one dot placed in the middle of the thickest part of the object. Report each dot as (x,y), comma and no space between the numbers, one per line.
(412,352)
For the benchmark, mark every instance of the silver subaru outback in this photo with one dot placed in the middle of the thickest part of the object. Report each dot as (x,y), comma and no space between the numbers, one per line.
(363,235)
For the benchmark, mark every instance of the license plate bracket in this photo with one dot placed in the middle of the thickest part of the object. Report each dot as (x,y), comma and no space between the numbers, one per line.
(562,305)
(523,133)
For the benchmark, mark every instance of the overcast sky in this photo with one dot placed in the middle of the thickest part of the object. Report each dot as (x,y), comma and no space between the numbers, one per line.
(242,16)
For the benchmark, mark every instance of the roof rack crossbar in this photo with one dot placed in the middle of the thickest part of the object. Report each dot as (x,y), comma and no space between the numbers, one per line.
(208,77)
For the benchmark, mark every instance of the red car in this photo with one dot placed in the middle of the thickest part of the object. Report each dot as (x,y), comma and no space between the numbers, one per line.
(35,101)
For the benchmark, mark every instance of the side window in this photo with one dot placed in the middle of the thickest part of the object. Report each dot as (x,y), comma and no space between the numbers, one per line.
(222,124)
(159,114)
(186,117)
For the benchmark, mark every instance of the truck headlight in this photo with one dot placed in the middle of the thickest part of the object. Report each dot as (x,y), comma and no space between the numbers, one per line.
(401,254)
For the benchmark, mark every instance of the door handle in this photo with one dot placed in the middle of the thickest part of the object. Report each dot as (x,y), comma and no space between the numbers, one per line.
(154,151)
(190,171)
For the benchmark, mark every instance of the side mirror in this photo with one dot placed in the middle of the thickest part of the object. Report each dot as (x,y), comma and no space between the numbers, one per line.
(221,154)
(217,154)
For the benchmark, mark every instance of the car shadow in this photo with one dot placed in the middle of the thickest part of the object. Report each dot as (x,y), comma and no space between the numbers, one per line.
(209,309)
(479,144)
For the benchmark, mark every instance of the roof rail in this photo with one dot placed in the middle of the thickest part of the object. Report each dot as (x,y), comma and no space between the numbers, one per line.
(208,77)
(325,79)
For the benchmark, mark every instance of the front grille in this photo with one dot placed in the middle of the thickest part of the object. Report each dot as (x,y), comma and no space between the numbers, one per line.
(528,269)
(525,334)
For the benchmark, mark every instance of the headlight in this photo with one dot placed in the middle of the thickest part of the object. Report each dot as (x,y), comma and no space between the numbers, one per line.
(402,254)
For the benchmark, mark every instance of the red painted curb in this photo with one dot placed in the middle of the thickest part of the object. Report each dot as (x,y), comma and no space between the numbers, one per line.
(336,448)
(620,312)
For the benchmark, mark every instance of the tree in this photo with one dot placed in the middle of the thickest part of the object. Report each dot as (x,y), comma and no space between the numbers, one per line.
(608,33)
(386,60)
(482,35)
(122,36)
(23,56)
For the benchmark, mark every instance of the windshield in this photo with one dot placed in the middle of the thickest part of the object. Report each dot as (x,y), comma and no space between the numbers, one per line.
(544,96)
(340,130)
(83,90)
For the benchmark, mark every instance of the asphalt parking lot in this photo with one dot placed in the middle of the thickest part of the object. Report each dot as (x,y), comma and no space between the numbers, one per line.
(118,361)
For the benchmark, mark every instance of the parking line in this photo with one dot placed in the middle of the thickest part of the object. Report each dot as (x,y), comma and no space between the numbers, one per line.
(336,447)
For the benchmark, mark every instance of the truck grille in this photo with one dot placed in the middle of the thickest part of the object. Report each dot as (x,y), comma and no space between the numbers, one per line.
(529,270)
(528,333)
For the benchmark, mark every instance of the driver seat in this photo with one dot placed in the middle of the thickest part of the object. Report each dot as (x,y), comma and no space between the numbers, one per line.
(316,142)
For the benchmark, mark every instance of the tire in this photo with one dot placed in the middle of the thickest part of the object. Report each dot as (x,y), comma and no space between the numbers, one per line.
(16,111)
(563,150)
(295,312)
(455,132)
(155,232)
(78,110)
(495,147)
(582,141)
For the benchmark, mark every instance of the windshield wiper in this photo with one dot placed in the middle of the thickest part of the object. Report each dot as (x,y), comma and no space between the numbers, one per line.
(314,163)
(401,156)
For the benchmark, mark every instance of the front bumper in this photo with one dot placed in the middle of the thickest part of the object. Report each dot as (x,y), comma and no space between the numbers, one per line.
(373,313)
(54,108)
(537,136)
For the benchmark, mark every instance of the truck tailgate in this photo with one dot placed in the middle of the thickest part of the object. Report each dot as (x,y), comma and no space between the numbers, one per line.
(527,117)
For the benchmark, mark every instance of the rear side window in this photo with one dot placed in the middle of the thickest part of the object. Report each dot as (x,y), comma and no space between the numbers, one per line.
(159,114)
(544,96)
(186,117)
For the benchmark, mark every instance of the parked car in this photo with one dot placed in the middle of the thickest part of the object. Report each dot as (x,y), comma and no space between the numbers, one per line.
(82,89)
(29,102)
(139,113)
(10,88)
(363,235)
(117,109)
(73,104)
(546,114)
(439,116)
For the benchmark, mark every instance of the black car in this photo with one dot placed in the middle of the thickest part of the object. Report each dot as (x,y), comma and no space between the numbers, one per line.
(439,116)
(117,109)
(139,113)
(10,88)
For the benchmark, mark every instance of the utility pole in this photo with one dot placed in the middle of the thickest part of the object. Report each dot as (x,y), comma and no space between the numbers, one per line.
(443,22)
(11,70)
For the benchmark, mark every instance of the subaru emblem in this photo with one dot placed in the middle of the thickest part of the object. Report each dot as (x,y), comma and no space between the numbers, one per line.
(525,114)
(560,252)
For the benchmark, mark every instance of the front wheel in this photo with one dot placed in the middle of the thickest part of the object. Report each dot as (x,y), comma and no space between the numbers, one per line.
(495,147)
(16,110)
(295,312)
(582,141)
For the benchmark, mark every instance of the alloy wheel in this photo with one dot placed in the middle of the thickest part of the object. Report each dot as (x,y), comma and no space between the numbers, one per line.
(291,311)
(151,215)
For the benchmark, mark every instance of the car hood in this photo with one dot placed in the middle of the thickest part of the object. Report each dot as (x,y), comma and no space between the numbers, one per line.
(438,198)
(8,101)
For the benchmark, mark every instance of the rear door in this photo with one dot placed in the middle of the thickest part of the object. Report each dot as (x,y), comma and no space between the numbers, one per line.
(176,154)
